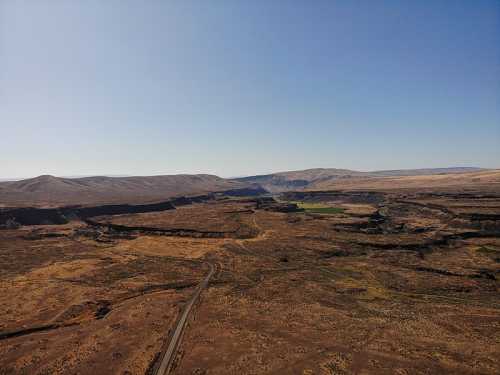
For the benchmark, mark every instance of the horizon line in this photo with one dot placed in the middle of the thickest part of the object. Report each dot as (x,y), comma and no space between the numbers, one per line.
(121,175)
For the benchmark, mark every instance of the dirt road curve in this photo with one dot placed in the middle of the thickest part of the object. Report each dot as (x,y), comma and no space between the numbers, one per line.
(167,356)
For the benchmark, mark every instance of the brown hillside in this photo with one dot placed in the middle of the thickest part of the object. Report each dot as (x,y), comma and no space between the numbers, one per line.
(486,180)
(52,191)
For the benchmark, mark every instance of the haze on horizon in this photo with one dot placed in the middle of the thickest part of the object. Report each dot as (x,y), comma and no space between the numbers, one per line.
(239,88)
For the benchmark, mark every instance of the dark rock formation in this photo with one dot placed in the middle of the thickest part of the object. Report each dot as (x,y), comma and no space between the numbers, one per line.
(245,192)
(270,204)
(372,197)
(41,216)
(33,216)
(119,209)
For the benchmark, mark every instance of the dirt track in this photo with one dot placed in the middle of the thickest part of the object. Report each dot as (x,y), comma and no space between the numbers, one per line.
(383,287)
(167,357)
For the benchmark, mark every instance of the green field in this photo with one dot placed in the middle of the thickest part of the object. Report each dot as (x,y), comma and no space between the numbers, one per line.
(319,208)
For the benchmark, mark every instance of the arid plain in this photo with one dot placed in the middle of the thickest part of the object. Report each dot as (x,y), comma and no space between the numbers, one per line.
(370,276)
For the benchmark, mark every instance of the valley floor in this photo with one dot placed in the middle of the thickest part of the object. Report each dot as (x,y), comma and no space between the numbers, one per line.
(377,283)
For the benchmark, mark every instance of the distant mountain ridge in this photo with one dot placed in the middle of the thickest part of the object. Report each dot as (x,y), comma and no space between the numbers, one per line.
(301,179)
(52,191)
(428,171)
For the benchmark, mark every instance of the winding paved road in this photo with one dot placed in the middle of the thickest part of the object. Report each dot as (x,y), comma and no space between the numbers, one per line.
(168,355)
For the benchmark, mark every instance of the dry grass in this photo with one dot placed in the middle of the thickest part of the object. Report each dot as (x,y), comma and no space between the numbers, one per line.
(325,294)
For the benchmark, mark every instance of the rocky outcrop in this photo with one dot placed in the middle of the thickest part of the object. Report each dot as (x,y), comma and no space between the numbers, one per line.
(245,192)
(178,232)
(270,204)
(118,209)
(372,197)
(41,216)
(33,216)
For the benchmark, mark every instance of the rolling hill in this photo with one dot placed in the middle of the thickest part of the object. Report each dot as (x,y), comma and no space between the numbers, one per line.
(485,180)
(48,190)
(52,191)
(331,177)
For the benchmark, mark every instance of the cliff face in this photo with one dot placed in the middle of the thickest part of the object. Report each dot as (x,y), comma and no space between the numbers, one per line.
(61,215)
(334,178)
(346,196)
(41,216)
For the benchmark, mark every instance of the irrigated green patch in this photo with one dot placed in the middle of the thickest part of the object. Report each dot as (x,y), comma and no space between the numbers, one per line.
(319,208)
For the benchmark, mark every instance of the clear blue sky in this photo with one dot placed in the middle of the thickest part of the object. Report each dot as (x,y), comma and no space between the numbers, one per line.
(244,87)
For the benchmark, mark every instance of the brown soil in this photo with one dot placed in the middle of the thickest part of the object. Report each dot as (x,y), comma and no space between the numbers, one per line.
(402,284)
